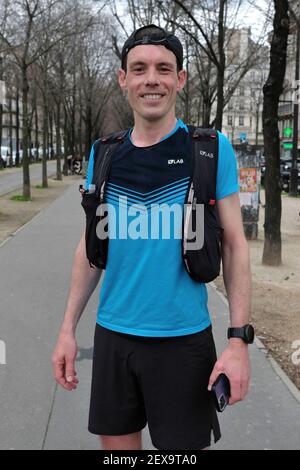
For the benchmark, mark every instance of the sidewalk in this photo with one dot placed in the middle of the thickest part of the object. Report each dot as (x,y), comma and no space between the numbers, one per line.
(12,178)
(34,413)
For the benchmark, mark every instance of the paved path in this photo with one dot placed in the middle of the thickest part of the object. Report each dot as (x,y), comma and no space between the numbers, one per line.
(13,179)
(34,413)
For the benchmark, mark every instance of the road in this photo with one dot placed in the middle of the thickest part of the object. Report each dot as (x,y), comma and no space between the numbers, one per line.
(13,179)
(35,413)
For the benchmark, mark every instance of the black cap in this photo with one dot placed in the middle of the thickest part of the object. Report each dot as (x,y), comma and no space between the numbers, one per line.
(154,35)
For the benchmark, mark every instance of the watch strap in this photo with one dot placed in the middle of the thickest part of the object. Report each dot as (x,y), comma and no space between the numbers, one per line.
(236,333)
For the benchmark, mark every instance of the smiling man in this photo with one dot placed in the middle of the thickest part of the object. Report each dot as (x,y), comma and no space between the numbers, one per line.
(154,353)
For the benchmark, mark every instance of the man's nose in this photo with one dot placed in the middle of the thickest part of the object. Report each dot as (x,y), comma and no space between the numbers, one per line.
(152,78)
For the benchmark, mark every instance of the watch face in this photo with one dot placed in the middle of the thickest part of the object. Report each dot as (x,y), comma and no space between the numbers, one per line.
(249,334)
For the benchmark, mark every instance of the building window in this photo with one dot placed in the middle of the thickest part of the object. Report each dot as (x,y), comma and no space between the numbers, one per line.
(242,106)
(229,120)
(242,91)
(241,120)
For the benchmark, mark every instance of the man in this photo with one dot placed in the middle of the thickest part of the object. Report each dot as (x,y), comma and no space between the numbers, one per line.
(154,354)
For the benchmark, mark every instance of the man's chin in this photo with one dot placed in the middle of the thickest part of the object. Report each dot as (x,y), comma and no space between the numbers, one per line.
(152,116)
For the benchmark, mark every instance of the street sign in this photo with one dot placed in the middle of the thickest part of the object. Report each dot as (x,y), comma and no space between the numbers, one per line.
(243,137)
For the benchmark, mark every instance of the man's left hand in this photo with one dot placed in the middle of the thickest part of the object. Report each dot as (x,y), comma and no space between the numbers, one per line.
(235,364)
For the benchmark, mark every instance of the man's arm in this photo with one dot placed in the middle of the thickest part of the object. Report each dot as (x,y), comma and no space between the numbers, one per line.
(234,361)
(84,280)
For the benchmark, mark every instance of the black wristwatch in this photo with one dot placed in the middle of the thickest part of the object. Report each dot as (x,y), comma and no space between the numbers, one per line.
(246,333)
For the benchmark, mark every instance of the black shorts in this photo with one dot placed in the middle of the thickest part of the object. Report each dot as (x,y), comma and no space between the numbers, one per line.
(160,381)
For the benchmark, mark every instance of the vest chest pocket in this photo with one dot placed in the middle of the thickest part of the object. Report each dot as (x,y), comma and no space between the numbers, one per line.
(96,249)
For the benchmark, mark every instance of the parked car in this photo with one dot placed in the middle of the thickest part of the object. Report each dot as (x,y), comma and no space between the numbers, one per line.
(39,152)
(5,154)
(15,156)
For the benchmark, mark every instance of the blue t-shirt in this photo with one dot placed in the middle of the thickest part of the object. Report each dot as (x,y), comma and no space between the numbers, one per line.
(146,289)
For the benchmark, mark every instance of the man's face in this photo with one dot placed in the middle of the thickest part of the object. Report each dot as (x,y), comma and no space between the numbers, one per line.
(152,81)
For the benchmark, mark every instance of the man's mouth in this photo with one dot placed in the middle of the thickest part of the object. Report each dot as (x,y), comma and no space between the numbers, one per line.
(152,96)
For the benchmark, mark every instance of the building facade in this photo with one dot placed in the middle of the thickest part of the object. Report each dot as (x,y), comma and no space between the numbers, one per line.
(242,118)
(291,93)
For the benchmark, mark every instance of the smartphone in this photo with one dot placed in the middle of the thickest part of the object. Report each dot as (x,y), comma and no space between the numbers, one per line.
(221,392)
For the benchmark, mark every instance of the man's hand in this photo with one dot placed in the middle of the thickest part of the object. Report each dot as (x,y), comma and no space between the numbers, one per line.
(63,360)
(235,364)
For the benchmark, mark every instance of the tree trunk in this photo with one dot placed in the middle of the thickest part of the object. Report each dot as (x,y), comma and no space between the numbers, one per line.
(206,111)
(272,91)
(36,144)
(80,142)
(18,124)
(66,143)
(89,126)
(45,144)
(25,134)
(10,130)
(58,144)
(50,135)
(221,67)
(187,88)
(73,116)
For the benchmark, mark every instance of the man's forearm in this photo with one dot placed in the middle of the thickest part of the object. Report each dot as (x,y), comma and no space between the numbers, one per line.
(237,280)
(84,280)
(234,361)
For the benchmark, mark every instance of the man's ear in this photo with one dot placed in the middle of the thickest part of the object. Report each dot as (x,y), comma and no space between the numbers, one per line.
(122,79)
(182,76)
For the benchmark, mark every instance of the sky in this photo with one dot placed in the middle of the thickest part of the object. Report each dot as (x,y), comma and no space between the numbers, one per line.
(251,14)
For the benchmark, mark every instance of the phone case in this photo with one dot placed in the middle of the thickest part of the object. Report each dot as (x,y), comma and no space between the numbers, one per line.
(221,392)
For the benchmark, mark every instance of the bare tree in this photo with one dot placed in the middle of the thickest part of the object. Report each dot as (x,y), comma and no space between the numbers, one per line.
(212,26)
(21,51)
(97,67)
(23,38)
